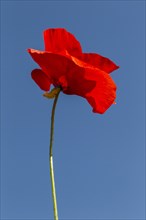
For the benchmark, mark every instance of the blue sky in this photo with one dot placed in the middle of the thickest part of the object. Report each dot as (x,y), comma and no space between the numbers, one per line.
(99,160)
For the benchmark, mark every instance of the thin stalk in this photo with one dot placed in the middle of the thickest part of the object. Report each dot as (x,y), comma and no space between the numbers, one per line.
(51,158)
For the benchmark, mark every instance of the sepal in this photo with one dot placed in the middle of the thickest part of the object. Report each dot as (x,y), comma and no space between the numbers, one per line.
(52,93)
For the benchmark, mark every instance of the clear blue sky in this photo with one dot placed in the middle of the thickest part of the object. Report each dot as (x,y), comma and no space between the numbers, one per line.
(99,159)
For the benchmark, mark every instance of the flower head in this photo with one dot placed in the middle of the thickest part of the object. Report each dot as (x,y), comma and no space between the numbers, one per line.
(63,64)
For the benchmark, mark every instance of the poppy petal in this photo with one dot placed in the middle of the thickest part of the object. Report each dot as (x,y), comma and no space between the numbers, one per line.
(41,79)
(78,78)
(53,65)
(104,93)
(59,68)
(99,61)
(95,85)
(58,39)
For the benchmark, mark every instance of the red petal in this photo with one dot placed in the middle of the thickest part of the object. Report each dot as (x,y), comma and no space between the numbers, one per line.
(58,39)
(78,78)
(104,93)
(95,85)
(41,79)
(53,65)
(99,61)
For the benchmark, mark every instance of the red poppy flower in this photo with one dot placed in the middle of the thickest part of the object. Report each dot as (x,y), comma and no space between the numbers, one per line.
(84,74)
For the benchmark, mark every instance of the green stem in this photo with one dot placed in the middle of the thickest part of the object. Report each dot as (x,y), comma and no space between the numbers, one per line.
(51,158)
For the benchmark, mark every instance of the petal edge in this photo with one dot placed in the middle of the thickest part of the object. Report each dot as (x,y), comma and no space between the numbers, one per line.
(58,39)
(99,62)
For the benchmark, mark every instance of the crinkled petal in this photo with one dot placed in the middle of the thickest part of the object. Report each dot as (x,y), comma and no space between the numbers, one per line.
(53,65)
(103,95)
(60,68)
(99,61)
(41,79)
(95,85)
(58,39)
(77,78)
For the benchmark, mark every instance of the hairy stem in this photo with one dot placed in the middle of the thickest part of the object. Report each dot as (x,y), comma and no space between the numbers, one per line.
(51,158)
